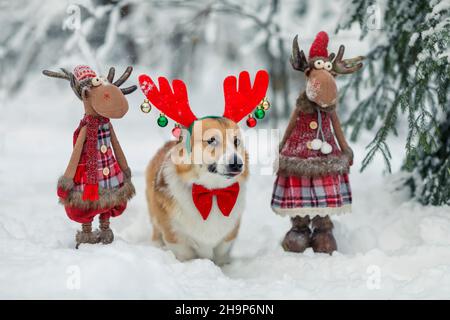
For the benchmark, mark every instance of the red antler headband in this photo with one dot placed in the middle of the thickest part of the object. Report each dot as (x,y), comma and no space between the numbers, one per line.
(241,98)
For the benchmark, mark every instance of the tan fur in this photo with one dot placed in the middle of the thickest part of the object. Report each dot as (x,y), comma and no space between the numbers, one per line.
(233,234)
(160,203)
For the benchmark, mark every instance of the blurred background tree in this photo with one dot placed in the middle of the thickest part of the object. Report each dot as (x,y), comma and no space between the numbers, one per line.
(184,37)
(408,74)
(407,69)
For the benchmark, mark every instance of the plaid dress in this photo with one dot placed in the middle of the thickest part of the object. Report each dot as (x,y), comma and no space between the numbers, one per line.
(110,178)
(109,174)
(301,195)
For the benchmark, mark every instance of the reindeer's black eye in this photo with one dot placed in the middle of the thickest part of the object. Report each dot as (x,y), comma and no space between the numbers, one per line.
(96,81)
(237,142)
(328,66)
(318,64)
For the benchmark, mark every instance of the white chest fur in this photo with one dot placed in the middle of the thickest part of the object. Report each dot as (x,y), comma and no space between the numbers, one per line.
(187,221)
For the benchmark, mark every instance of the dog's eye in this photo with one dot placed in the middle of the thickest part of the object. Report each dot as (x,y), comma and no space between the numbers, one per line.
(212,141)
(237,142)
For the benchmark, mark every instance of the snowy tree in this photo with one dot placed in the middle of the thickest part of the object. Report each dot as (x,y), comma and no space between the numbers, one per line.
(407,75)
(173,35)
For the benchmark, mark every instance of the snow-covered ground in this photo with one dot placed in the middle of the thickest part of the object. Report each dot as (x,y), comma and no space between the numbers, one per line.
(389,247)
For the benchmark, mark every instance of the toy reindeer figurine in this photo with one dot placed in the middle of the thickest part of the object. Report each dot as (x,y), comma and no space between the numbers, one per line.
(97,180)
(312,181)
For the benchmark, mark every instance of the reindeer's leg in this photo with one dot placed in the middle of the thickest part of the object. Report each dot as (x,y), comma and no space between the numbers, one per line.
(322,239)
(298,238)
(86,235)
(106,235)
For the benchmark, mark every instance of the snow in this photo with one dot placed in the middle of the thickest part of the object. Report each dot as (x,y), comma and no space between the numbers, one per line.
(389,247)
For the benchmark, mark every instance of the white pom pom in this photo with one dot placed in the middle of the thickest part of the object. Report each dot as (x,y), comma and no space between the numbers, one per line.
(316,144)
(326,148)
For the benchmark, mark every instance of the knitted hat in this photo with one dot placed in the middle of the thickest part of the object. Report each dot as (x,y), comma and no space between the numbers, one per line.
(82,72)
(319,46)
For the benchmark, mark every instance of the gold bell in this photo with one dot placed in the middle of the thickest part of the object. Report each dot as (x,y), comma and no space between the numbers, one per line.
(265,104)
(146,107)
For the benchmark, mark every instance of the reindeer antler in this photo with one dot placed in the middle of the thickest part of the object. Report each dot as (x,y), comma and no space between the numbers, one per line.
(121,80)
(242,100)
(298,58)
(173,104)
(66,75)
(346,66)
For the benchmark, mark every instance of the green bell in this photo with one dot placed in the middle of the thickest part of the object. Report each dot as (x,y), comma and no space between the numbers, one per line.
(162,120)
(260,113)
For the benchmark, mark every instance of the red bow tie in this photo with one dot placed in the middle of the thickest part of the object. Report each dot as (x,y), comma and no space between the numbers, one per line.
(226,199)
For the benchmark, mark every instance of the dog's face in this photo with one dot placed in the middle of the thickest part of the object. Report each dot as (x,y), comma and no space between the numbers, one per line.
(217,155)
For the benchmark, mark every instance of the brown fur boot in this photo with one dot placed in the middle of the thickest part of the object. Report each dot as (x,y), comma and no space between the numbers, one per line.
(106,235)
(298,238)
(86,235)
(322,239)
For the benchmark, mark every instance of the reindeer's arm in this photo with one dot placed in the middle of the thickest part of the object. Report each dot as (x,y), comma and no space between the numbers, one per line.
(289,128)
(340,136)
(65,183)
(76,154)
(120,155)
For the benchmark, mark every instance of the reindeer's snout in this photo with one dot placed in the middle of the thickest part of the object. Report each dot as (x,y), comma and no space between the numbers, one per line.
(109,101)
(321,88)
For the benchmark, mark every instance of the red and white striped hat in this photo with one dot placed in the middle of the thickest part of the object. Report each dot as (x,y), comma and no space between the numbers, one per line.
(82,72)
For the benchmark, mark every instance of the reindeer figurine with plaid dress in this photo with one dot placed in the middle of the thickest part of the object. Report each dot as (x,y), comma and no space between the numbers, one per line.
(312,179)
(97,180)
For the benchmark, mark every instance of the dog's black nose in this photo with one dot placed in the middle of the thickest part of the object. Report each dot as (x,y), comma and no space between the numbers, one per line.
(235,164)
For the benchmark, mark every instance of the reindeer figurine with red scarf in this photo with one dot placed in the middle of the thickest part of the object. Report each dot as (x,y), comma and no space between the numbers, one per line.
(312,181)
(97,180)
(196,185)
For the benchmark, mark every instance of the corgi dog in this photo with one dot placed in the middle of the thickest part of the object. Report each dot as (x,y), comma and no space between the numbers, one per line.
(195,187)
(175,218)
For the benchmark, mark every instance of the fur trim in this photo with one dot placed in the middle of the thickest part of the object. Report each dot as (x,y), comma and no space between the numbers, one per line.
(107,198)
(303,212)
(65,183)
(313,167)
(308,106)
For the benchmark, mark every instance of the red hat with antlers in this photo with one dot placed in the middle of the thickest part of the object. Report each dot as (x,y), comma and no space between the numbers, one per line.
(241,98)
(319,46)
(82,72)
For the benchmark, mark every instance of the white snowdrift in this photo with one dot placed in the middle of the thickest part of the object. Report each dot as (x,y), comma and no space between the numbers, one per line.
(389,247)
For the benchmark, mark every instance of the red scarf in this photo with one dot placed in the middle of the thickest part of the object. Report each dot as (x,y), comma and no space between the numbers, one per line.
(92,123)
(226,199)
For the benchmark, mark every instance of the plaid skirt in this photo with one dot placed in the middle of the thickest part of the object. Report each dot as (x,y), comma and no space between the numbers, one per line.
(302,196)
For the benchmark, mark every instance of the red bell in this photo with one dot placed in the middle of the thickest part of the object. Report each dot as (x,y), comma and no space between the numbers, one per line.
(176,132)
(251,122)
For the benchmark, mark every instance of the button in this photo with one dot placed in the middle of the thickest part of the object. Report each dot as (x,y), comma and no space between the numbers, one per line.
(103,148)
(313,125)
(105,171)
(308,145)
